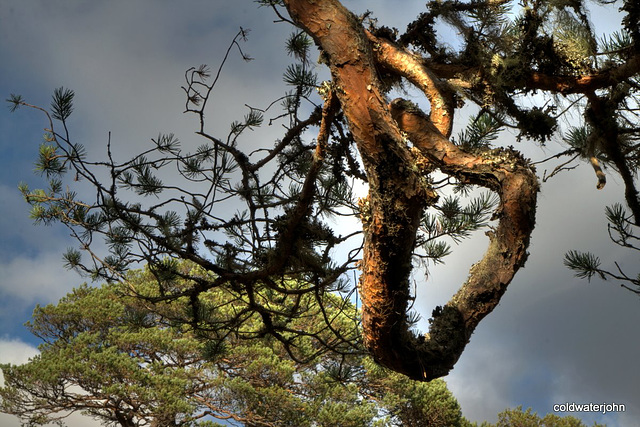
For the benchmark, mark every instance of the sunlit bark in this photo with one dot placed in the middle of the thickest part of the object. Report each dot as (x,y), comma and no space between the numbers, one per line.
(398,194)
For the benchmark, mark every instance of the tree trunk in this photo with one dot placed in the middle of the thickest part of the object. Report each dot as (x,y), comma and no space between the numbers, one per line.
(399,194)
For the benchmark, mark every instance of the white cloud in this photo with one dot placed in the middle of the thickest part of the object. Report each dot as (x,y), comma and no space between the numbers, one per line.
(38,279)
(16,351)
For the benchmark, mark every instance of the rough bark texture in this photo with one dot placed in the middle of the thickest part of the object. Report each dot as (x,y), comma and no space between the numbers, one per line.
(507,173)
(399,194)
(438,92)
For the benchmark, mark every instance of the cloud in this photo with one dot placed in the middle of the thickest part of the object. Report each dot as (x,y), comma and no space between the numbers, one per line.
(127,65)
(41,278)
(16,351)
(481,383)
(73,420)
(19,233)
(31,266)
(553,338)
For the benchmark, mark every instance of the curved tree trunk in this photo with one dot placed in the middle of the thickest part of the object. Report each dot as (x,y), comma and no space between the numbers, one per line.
(399,194)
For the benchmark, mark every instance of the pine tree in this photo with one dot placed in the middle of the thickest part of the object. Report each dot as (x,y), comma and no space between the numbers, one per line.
(257,217)
(110,355)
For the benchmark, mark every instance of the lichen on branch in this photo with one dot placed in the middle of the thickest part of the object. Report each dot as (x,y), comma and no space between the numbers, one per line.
(398,196)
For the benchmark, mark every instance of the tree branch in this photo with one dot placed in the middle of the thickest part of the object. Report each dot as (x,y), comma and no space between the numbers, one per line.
(397,199)
(505,172)
(438,92)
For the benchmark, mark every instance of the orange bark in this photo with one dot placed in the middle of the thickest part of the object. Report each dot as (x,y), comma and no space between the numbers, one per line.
(407,65)
(398,195)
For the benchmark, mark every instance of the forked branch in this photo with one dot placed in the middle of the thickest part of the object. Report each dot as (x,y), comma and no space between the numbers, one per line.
(399,195)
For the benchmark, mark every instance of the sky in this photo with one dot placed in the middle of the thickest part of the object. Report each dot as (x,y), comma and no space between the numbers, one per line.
(553,339)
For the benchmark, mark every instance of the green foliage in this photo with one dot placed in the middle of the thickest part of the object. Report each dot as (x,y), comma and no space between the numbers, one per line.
(194,214)
(455,221)
(254,330)
(297,75)
(15,102)
(251,120)
(92,358)
(270,2)
(576,137)
(62,104)
(110,351)
(146,182)
(412,403)
(49,162)
(620,225)
(624,233)
(480,133)
(298,45)
(585,264)
(573,38)
(616,47)
(518,417)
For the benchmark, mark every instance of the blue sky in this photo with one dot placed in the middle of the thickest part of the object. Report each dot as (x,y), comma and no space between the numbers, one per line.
(552,339)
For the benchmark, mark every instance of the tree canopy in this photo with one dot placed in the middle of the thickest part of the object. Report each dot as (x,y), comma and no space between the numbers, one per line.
(110,355)
(126,362)
(258,217)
